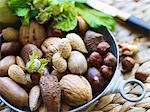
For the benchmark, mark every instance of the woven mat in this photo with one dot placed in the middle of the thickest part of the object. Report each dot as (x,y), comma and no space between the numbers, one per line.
(114,102)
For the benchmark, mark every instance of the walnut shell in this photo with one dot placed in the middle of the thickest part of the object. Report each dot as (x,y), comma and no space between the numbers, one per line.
(33,33)
(65,48)
(59,63)
(76,42)
(51,92)
(76,89)
(27,50)
(50,46)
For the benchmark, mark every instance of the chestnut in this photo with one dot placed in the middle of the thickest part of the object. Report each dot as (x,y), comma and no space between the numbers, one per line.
(96,79)
(103,47)
(95,59)
(128,64)
(110,60)
(106,71)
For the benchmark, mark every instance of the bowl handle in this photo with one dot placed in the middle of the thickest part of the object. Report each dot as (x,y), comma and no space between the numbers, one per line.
(123,94)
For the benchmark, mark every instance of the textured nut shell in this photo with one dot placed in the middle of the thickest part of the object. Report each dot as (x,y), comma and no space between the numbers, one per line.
(50,46)
(27,50)
(77,63)
(13,92)
(33,33)
(59,63)
(34,98)
(76,42)
(76,89)
(65,48)
(51,92)
(5,63)
(17,74)
(57,74)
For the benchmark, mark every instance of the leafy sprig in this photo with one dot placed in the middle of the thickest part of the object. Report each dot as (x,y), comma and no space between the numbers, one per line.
(63,13)
(35,64)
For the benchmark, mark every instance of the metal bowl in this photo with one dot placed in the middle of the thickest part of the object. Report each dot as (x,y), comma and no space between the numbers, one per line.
(116,84)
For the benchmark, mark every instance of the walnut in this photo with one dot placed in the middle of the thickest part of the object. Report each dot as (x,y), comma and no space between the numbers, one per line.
(33,33)
(76,89)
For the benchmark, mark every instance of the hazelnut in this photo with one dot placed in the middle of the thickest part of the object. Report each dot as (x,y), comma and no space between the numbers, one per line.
(95,59)
(127,52)
(33,33)
(106,71)
(127,64)
(103,47)
(35,77)
(82,25)
(130,47)
(141,76)
(110,60)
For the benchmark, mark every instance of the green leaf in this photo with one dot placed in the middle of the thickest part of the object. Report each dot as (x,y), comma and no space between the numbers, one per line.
(67,20)
(95,18)
(73,1)
(22,11)
(21,8)
(44,15)
(40,3)
(35,64)
(33,13)
(15,4)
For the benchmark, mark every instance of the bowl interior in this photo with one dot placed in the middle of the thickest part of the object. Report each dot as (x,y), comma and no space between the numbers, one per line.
(113,49)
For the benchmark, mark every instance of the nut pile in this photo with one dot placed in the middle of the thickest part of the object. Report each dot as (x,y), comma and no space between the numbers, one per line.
(101,64)
(51,73)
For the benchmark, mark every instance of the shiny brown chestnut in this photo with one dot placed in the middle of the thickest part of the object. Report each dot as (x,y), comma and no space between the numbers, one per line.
(96,79)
